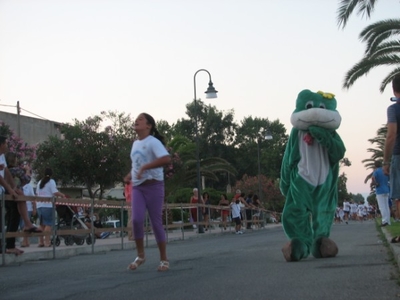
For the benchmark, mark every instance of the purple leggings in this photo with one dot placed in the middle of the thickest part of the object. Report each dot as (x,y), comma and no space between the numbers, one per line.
(150,196)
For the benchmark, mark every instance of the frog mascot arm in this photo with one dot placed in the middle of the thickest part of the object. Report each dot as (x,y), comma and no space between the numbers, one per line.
(309,175)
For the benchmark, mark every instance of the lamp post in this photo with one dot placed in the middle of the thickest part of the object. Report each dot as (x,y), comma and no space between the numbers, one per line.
(210,94)
(267,136)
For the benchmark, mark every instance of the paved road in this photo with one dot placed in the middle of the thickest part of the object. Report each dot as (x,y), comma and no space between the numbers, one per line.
(228,266)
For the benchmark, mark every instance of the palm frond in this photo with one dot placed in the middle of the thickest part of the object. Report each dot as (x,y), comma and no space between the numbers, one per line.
(386,48)
(374,34)
(346,8)
(388,79)
(365,65)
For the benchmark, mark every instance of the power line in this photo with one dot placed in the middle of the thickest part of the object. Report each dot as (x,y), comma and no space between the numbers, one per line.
(34,114)
(7,105)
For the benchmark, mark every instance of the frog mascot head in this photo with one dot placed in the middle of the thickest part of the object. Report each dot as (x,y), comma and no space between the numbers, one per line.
(309,175)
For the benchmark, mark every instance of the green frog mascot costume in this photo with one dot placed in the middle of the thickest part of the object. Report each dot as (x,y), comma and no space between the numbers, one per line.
(309,176)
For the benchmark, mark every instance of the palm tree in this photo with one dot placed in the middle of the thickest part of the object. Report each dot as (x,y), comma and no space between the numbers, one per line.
(183,169)
(377,153)
(382,43)
(382,49)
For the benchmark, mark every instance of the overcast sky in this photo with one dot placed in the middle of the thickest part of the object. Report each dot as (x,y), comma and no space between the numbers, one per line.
(73,59)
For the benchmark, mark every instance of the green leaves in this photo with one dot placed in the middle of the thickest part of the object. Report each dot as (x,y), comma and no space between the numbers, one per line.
(91,153)
(382,43)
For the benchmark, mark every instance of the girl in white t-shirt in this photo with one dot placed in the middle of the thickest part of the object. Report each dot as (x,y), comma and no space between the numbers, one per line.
(46,187)
(148,156)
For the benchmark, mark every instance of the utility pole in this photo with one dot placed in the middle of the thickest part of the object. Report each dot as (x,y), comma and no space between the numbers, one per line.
(18,120)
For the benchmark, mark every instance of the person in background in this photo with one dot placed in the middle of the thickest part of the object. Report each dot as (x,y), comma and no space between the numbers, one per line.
(381,182)
(148,156)
(8,186)
(258,205)
(128,199)
(206,210)
(391,152)
(224,212)
(27,189)
(21,176)
(193,211)
(237,203)
(96,223)
(346,210)
(46,187)
(249,217)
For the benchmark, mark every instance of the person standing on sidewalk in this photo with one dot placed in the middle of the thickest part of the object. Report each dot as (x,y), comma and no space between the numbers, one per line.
(148,156)
(381,182)
(236,205)
(249,212)
(391,152)
(128,199)
(46,187)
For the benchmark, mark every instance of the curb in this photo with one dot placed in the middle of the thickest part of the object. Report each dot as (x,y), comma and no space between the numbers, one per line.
(394,248)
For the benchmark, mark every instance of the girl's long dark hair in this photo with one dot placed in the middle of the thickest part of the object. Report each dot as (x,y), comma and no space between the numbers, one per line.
(47,176)
(153,131)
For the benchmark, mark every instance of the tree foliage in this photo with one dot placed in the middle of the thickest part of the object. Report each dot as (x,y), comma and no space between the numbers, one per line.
(89,154)
(271,196)
(346,8)
(382,42)
(376,153)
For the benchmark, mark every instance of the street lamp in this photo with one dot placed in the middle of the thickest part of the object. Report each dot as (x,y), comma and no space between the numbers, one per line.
(210,94)
(268,137)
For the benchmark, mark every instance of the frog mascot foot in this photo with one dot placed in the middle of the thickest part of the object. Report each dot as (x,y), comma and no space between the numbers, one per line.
(295,250)
(324,247)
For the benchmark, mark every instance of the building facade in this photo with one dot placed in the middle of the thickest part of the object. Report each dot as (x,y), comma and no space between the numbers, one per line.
(32,130)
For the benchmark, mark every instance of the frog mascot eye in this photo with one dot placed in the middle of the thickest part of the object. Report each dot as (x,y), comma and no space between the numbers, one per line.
(309,175)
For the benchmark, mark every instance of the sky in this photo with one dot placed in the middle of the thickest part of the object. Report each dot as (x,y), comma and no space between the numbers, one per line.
(66,60)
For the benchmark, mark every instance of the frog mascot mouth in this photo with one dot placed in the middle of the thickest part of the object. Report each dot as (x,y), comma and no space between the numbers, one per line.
(309,176)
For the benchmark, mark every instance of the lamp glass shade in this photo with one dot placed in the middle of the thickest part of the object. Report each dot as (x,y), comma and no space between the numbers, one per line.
(211,92)
(268,136)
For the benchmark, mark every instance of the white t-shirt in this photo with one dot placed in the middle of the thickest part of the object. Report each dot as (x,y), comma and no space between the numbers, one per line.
(353,208)
(27,189)
(143,152)
(2,161)
(47,191)
(235,210)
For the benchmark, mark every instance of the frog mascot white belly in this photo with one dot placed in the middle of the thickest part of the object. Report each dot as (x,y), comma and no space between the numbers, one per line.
(309,176)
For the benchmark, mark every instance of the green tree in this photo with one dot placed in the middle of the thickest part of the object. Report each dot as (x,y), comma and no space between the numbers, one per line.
(271,197)
(250,135)
(216,134)
(184,168)
(382,43)
(342,188)
(89,154)
(358,198)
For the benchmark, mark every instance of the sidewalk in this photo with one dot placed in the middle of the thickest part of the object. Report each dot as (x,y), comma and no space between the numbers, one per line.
(113,242)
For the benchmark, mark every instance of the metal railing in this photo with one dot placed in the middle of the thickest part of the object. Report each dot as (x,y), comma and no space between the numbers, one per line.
(212,224)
